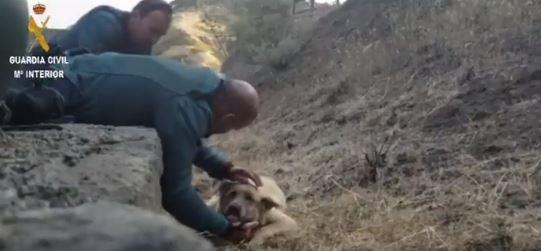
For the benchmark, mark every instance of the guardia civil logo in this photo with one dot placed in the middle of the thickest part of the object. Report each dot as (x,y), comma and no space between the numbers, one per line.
(39,9)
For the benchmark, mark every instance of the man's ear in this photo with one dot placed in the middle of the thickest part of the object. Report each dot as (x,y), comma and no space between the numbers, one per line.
(268,203)
(229,119)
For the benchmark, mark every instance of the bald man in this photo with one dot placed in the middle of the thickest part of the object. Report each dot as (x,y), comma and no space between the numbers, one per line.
(183,104)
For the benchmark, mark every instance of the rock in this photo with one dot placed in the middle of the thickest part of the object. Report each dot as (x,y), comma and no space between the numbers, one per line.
(7,197)
(103,226)
(392,120)
(14,12)
(74,164)
(51,178)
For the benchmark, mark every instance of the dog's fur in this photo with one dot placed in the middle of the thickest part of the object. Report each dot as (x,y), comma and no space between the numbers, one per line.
(266,205)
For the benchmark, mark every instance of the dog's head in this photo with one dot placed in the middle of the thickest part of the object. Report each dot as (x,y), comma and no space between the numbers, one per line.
(243,203)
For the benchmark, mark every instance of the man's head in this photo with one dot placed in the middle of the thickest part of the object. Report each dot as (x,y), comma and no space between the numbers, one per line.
(149,21)
(234,107)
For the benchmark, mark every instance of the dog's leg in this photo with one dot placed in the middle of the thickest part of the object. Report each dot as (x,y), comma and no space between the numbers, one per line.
(277,223)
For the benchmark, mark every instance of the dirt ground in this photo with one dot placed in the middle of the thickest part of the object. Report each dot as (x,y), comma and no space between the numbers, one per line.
(406,125)
(192,39)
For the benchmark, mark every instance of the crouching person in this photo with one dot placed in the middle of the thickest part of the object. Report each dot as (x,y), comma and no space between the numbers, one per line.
(184,105)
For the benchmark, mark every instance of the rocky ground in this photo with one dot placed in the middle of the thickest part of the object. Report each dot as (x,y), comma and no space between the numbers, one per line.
(85,187)
(96,226)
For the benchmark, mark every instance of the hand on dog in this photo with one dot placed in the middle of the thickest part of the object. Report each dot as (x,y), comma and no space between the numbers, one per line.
(243,176)
(241,232)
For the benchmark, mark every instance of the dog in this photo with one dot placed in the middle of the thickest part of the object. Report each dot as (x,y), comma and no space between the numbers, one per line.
(263,206)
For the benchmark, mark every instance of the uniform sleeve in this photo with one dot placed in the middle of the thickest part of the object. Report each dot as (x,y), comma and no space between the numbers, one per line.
(215,163)
(99,32)
(179,125)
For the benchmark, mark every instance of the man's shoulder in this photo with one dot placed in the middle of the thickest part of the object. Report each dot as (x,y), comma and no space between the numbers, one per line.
(191,79)
(107,9)
(185,115)
(201,106)
(107,13)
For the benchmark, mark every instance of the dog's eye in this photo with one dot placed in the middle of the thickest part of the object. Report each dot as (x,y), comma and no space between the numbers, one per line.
(233,193)
(248,197)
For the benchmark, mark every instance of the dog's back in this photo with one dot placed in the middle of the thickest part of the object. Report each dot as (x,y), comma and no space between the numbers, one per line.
(271,190)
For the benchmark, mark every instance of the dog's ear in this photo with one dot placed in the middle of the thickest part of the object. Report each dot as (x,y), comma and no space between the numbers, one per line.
(268,203)
(225,186)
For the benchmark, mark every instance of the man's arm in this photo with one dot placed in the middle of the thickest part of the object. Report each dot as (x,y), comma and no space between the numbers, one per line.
(177,127)
(99,31)
(215,163)
(219,167)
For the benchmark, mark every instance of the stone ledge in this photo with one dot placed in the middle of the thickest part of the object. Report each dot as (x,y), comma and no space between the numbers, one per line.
(103,226)
(77,163)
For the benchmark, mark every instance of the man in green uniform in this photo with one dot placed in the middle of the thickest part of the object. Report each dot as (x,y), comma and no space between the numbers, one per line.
(183,104)
(107,29)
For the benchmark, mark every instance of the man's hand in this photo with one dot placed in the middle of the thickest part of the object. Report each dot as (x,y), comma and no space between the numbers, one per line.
(243,176)
(242,233)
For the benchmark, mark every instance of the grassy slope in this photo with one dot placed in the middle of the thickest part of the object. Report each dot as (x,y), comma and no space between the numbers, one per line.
(453,85)
(192,40)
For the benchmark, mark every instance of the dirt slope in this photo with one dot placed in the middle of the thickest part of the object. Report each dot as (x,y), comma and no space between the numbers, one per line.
(192,39)
(451,88)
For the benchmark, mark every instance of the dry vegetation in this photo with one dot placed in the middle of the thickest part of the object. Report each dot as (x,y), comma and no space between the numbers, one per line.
(460,208)
(192,39)
(456,87)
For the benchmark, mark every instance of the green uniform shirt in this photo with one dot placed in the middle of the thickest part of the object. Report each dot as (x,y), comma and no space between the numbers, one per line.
(102,29)
(131,90)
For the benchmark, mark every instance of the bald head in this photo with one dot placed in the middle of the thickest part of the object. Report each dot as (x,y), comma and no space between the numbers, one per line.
(235,107)
(243,98)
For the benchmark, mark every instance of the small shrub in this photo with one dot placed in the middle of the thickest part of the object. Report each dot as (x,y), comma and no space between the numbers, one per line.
(278,56)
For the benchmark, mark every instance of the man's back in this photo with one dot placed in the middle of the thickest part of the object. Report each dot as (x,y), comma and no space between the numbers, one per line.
(102,29)
(123,89)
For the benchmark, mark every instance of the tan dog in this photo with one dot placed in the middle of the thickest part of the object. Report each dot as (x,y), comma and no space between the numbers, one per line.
(244,204)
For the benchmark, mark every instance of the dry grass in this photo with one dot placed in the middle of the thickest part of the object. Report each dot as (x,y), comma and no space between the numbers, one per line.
(475,209)
(193,40)
(391,68)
